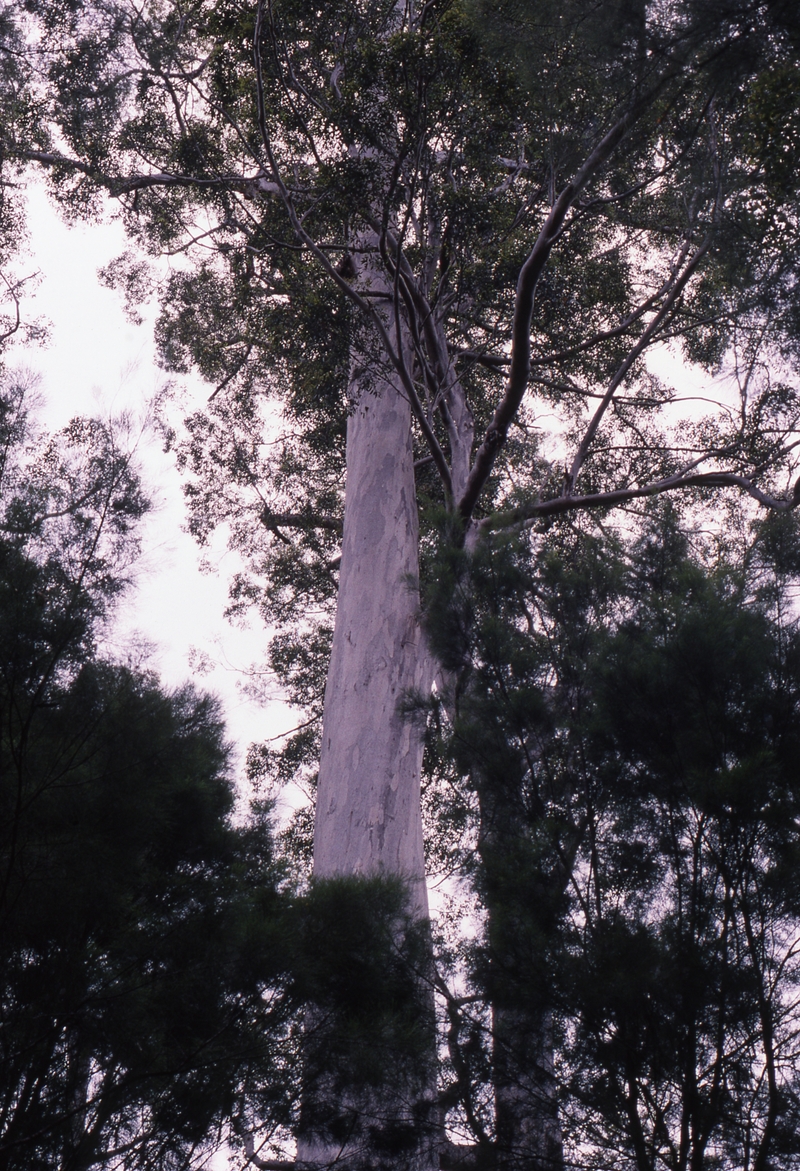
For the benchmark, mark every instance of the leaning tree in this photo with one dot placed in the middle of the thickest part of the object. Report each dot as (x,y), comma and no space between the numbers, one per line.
(427,253)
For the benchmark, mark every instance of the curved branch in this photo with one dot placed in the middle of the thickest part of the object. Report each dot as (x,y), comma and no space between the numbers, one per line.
(527,282)
(523,311)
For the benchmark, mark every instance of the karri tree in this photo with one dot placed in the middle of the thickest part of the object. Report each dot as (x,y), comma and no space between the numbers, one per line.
(155,960)
(427,253)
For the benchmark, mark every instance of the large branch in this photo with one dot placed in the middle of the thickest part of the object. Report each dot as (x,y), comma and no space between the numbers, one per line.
(299,520)
(525,516)
(117,185)
(523,313)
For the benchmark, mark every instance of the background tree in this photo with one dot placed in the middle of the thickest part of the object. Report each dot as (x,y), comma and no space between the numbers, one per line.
(371,197)
(138,925)
(627,744)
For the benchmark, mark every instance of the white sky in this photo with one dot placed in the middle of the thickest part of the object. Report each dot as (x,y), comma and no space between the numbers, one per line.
(98,363)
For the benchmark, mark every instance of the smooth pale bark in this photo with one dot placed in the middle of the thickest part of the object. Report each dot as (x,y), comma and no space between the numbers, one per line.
(368,818)
(368,809)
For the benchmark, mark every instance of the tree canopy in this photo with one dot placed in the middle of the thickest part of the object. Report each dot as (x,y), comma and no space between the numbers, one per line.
(634,175)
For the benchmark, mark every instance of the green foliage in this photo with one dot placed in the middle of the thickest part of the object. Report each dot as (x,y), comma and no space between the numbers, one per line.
(459,124)
(362,959)
(139,925)
(626,715)
(363,966)
(128,914)
(156,964)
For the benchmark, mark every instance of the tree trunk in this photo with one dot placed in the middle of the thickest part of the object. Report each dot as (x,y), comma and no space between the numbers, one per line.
(520,902)
(368,818)
(526,1108)
(368,813)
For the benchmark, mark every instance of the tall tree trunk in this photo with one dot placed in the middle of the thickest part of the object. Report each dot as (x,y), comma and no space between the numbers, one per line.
(526,1109)
(368,813)
(368,818)
(520,907)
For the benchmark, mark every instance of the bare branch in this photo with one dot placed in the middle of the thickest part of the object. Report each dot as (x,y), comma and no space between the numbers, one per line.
(521,518)
(644,341)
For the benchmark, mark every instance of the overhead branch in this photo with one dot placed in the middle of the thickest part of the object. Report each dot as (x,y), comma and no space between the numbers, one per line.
(118,185)
(529,275)
(299,520)
(527,515)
